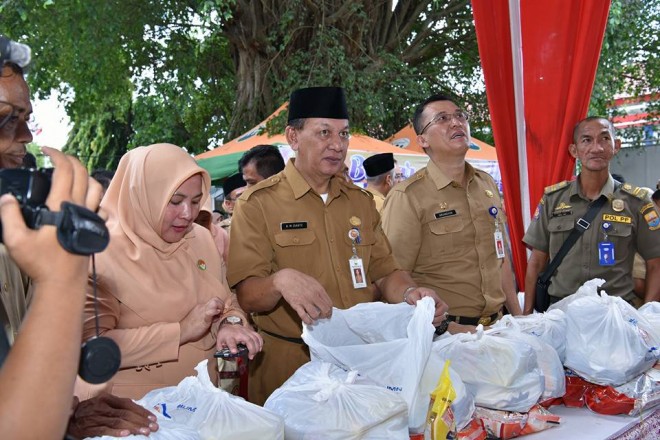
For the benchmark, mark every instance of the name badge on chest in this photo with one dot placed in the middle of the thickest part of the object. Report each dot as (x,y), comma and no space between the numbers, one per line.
(497,236)
(606,247)
(355,262)
(293,225)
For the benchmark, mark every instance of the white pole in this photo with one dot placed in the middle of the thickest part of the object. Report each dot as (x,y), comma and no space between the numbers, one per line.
(518,88)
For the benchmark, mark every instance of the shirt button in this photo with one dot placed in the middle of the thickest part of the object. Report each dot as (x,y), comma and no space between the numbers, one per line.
(483,267)
(337,268)
(332,240)
(296,240)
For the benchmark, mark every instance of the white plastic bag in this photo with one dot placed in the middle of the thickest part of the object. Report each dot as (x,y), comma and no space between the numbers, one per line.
(608,342)
(546,356)
(500,373)
(167,430)
(212,412)
(651,311)
(322,401)
(389,343)
(550,327)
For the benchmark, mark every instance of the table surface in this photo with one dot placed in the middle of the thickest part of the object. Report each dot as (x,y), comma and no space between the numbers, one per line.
(583,424)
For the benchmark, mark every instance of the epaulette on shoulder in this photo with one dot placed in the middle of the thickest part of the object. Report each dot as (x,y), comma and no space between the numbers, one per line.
(556,187)
(411,180)
(266,183)
(636,191)
(364,191)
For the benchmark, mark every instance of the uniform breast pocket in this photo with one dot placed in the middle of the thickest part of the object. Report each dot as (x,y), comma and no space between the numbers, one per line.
(441,237)
(295,247)
(559,228)
(620,234)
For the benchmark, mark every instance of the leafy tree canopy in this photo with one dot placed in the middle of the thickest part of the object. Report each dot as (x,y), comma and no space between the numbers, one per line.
(196,72)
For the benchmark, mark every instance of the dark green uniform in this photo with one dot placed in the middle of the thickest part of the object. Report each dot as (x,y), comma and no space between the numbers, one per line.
(634,226)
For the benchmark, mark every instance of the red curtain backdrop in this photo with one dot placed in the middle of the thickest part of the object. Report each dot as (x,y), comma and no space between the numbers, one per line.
(561,42)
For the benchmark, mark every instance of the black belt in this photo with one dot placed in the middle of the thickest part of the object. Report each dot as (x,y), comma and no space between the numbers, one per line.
(555,299)
(284,338)
(484,320)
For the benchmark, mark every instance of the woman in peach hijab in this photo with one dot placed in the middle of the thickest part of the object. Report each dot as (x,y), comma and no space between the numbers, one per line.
(162,292)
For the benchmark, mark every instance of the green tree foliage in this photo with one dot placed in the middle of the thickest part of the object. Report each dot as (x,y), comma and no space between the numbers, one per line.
(195,72)
(629,63)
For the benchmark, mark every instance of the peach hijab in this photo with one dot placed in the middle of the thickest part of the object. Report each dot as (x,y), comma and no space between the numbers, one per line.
(159,281)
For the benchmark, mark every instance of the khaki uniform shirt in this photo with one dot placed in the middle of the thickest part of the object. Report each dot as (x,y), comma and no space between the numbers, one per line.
(379,199)
(14,286)
(635,227)
(282,223)
(443,234)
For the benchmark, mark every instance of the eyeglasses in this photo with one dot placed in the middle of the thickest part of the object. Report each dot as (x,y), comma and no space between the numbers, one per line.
(444,118)
(7,111)
(10,116)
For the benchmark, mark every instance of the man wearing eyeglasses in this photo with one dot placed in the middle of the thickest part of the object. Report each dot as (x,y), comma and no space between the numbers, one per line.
(15,111)
(232,188)
(446,224)
(104,414)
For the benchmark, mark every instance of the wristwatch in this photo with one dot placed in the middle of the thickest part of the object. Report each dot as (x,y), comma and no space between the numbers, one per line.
(442,327)
(232,320)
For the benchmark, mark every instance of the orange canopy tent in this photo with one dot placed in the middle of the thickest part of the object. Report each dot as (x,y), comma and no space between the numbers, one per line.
(480,155)
(223,160)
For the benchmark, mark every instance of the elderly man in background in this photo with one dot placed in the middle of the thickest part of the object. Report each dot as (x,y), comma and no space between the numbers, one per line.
(232,187)
(380,170)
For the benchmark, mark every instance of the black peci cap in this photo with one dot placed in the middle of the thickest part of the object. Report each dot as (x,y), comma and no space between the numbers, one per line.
(233,182)
(318,102)
(378,164)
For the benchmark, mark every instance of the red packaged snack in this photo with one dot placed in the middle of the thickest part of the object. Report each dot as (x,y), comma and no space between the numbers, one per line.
(473,431)
(606,400)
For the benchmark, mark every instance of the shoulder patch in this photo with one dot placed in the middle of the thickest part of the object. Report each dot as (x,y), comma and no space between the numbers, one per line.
(484,175)
(636,191)
(411,180)
(364,191)
(556,187)
(266,183)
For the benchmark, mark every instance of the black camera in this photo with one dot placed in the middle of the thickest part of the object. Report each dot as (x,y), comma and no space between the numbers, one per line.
(79,230)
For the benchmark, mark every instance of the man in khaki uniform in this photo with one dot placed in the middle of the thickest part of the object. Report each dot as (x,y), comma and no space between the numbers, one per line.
(628,222)
(380,170)
(259,163)
(302,234)
(446,223)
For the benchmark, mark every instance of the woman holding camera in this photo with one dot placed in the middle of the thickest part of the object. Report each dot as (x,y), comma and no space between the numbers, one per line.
(162,292)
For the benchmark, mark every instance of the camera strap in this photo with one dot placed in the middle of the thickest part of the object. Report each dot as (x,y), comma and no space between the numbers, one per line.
(581,225)
(79,230)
